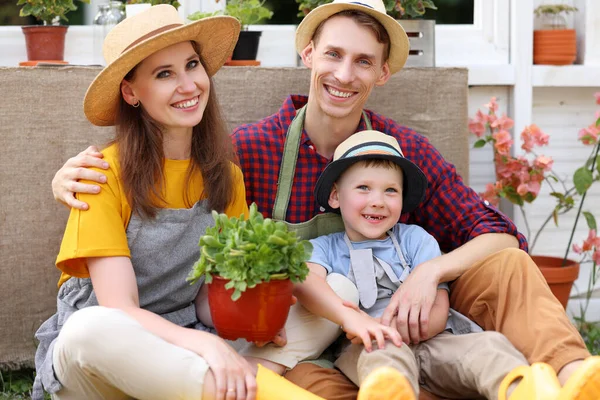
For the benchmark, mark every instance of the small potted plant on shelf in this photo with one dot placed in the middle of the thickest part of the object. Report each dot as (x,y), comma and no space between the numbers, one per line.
(248,12)
(46,42)
(519,180)
(554,43)
(250,267)
(133,7)
(409,13)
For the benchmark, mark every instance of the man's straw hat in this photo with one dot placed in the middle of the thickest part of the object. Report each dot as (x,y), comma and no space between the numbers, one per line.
(138,37)
(399,45)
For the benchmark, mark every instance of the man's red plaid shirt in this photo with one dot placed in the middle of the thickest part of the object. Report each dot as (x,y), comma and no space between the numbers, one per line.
(452,212)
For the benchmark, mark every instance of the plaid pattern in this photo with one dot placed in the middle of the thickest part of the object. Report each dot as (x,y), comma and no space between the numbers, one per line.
(452,212)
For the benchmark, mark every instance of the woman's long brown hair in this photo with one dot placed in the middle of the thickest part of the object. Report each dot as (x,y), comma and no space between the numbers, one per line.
(139,141)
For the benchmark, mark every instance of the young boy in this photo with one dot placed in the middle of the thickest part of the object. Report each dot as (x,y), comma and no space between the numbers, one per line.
(370,184)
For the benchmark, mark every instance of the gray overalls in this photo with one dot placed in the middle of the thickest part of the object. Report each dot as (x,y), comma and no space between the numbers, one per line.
(163,251)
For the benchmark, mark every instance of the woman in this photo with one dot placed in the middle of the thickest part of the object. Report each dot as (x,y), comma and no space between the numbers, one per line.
(171,163)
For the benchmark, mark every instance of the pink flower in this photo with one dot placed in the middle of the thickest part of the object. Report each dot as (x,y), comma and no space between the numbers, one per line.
(596,256)
(503,123)
(597,95)
(533,136)
(577,249)
(591,241)
(589,135)
(491,193)
(492,105)
(503,141)
(544,163)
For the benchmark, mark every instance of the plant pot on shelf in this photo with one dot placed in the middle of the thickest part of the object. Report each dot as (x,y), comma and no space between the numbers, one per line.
(560,278)
(45,42)
(247,46)
(554,46)
(257,316)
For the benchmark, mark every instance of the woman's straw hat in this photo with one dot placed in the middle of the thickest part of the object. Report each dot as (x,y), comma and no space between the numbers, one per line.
(137,37)
(399,44)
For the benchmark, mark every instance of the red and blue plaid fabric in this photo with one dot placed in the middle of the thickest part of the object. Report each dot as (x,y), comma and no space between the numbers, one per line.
(452,212)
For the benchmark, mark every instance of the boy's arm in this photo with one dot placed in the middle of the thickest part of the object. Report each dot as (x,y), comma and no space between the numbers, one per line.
(318,297)
(439,314)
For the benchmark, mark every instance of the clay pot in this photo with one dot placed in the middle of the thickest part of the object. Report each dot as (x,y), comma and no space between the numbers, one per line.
(560,278)
(257,316)
(45,43)
(554,46)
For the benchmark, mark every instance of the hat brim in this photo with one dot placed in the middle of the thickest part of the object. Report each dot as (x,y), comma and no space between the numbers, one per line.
(413,190)
(399,43)
(216,37)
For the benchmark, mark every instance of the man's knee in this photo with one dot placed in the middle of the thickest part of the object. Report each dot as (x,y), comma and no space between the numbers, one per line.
(343,287)
(507,262)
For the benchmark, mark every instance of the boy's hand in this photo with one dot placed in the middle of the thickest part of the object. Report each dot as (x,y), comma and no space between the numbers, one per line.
(360,327)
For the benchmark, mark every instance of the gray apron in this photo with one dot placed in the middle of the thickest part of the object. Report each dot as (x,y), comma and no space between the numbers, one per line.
(321,224)
(377,282)
(163,251)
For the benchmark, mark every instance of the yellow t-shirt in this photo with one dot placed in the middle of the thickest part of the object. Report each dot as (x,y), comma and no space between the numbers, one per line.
(101,230)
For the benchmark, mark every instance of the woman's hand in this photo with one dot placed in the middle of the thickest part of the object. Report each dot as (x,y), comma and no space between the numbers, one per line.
(66,180)
(361,327)
(235,379)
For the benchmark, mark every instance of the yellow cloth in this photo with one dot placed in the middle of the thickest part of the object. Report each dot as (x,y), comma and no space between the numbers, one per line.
(101,230)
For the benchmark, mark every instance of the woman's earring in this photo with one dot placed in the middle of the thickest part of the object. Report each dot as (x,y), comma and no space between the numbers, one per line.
(136,104)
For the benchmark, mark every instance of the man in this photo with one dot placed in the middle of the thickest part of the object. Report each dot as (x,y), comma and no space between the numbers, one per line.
(494,283)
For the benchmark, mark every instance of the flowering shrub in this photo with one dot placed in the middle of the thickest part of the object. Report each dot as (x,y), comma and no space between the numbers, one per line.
(519,178)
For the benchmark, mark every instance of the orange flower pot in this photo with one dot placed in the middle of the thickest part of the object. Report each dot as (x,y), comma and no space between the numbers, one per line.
(554,47)
(257,316)
(45,42)
(560,278)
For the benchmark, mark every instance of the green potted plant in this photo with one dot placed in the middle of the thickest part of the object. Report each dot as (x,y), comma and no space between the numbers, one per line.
(409,13)
(46,42)
(134,7)
(519,180)
(250,267)
(554,43)
(248,12)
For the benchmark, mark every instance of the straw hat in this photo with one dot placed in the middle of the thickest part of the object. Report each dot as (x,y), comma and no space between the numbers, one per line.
(367,145)
(399,44)
(137,37)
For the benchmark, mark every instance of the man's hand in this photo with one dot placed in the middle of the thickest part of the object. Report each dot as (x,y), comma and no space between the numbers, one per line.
(66,181)
(361,327)
(412,302)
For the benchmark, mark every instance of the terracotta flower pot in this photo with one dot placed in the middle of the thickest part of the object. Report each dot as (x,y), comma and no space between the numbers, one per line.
(45,42)
(559,278)
(257,316)
(554,46)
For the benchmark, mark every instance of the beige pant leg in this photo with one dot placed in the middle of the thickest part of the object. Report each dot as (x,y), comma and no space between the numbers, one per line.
(466,366)
(307,335)
(102,353)
(356,363)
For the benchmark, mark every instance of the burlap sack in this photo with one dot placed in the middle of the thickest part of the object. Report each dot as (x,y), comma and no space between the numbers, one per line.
(42,125)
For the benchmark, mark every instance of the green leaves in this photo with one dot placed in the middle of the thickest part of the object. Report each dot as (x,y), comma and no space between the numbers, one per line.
(47,10)
(480,143)
(248,252)
(590,219)
(582,179)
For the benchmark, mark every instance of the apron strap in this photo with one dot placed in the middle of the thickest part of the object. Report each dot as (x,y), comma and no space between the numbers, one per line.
(287,170)
(363,269)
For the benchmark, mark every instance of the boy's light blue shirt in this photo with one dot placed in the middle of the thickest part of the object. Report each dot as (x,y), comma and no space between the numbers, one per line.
(418,246)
